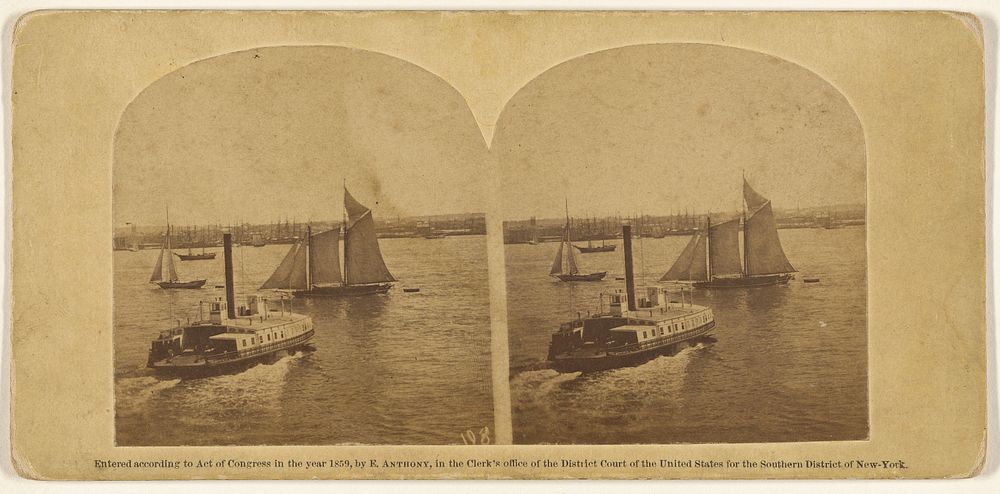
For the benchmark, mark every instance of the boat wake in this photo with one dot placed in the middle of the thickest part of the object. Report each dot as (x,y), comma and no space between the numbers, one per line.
(534,387)
(261,373)
(531,388)
(528,367)
(138,390)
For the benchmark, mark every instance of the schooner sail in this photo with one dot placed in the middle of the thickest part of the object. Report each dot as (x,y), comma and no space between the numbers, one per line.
(165,273)
(312,266)
(712,259)
(565,266)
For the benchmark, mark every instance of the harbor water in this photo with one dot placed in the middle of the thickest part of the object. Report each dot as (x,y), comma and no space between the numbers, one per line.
(788,363)
(400,368)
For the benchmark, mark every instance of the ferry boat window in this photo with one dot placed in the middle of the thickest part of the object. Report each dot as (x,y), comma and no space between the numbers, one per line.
(643,335)
(269,337)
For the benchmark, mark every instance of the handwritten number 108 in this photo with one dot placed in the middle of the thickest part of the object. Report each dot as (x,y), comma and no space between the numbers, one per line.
(470,437)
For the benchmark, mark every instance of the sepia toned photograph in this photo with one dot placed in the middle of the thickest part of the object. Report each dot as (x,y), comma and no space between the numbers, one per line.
(299,258)
(685,244)
(497,245)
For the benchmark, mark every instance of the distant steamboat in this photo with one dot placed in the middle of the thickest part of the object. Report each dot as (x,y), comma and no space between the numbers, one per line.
(632,331)
(230,336)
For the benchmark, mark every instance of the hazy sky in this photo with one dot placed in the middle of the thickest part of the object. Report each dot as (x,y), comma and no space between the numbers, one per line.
(658,128)
(273,133)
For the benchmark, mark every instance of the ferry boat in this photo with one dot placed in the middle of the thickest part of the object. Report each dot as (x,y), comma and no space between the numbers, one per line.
(230,336)
(632,331)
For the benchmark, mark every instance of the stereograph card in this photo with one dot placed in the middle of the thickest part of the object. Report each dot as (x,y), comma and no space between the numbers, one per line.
(352,245)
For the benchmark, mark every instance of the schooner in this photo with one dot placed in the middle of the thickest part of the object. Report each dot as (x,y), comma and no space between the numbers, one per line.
(312,266)
(712,258)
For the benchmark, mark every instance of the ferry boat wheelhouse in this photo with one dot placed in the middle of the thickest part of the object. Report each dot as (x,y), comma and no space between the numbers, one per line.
(230,335)
(632,331)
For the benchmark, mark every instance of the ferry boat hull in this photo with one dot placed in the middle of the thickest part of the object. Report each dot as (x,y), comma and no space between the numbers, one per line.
(585,361)
(745,281)
(169,285)
(202,365)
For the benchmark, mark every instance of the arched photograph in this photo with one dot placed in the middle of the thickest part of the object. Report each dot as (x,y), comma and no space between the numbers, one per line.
(300,255)
(685,250)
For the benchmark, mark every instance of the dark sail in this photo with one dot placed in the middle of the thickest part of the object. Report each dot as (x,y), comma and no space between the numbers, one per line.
(765,255)
(363,261)
(752,197)
(690,265)
(724,239)
(324,258)
(291,273)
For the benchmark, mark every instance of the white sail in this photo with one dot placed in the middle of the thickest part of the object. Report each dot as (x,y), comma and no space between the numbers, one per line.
(158,269)
(171,270)
(557,264)
(571,258)
(165,269)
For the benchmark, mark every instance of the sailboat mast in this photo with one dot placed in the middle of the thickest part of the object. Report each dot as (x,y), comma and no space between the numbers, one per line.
(569,244)
(347,281)
(746,245)
(309,241)
(168,229)
(708,247)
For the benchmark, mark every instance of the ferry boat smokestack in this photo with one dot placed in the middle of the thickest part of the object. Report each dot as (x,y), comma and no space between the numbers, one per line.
(629,275)
(227,253)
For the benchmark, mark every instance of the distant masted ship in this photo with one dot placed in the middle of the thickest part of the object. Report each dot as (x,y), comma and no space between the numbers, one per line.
(713,260)
(312,266)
